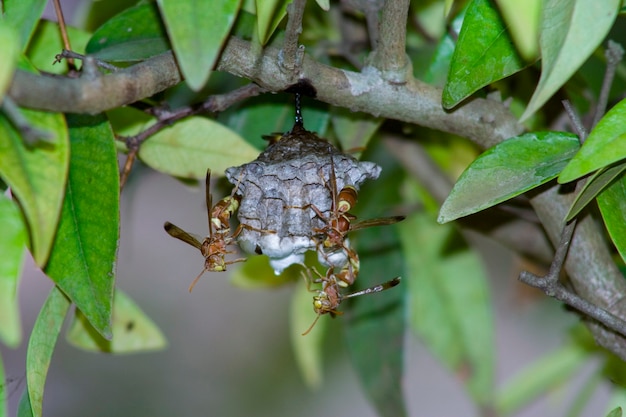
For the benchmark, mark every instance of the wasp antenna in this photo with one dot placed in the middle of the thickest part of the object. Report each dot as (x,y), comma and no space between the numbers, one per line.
(195,281)
(312,325)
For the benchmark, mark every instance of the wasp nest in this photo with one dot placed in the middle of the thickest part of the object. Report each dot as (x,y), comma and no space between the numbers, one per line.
(279,189)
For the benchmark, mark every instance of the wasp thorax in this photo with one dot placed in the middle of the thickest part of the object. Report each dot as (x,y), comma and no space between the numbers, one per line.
(279,189)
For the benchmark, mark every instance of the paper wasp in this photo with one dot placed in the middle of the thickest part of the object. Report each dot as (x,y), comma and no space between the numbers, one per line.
(214,246)
(332,238)
(328,298)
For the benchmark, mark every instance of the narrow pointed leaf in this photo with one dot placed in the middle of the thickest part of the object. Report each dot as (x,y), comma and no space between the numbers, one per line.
(82,263)
(9,47)
(135,34)
(450,306)
(605,144)
(507,170)
(569,32)
(593,187)
(188,147)
(197,30)
(484,53)
(23,15)
(612,204)
(36,175)
(133,331)
(13,249)
(269,14)
(41,346)
(549,372)
(307,349)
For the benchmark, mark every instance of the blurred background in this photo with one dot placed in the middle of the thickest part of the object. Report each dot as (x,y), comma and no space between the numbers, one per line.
(229,349)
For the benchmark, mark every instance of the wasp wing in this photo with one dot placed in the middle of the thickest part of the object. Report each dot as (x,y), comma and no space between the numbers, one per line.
(180,234)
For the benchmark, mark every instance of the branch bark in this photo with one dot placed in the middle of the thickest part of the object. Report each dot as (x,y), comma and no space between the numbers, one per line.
(486,122)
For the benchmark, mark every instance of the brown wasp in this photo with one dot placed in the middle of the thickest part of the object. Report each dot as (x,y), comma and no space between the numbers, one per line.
(332,238)
(214,246)
(328,298)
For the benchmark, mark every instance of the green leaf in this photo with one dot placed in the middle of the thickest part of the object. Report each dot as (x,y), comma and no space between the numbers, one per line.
(616,412)
(605,144)
(197,30)
(354,130)
(593,187)
(188,147)
(41,346)
(82,262)
(450,304)
(544,375)
(612,204)
(569,32)
(271,114)
(269,14)
(484,53)
(23,15)
(307,349)
(9,48)
(36,175)
(522,21)
(12,248)
(507,170)
(135,34)
(47,43)
(133,331)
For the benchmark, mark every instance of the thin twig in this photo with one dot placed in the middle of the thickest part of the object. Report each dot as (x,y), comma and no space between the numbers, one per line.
(559,292)
(577,124)
(614,54)
(165,118)
(64,36)
(71,55)
(291,52)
